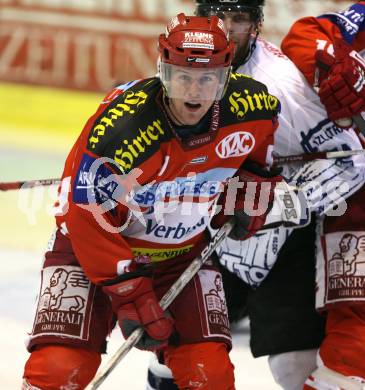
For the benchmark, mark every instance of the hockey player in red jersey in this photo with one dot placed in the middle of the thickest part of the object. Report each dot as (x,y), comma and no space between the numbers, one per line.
(329,50)
(136,197)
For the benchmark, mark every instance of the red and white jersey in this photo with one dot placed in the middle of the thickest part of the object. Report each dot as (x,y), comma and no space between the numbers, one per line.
(130,143)
(320,33)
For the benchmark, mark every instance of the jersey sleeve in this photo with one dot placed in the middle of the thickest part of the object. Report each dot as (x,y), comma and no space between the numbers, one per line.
(97,242)
(95,218)
(309,34)
(99,197)
(301,50)
(263,154)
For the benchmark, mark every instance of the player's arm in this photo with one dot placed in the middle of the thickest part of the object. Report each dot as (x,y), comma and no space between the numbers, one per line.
(261,199)
(309,34)
(305,37)
(100,208)
(325,49)
(96,219)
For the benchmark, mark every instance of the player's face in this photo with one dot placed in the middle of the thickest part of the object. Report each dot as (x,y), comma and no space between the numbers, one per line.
(240,27)
(193,91)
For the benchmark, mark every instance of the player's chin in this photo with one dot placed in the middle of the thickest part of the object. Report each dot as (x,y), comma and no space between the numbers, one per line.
(191,119)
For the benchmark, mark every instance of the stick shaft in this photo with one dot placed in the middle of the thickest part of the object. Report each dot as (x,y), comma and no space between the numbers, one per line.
(17,185)
(165,301)
(282,160)
(277,160)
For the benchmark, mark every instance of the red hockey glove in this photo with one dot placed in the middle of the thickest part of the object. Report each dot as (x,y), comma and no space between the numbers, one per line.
(248,197)
(341,82)
(136,304)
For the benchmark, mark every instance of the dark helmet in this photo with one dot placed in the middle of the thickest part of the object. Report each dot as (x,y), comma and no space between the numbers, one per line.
(253,7)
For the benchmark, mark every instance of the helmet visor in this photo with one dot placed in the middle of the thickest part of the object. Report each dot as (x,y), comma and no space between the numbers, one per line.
(194,84)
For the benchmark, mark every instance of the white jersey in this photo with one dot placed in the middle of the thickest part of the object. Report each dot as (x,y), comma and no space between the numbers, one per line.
(303,128)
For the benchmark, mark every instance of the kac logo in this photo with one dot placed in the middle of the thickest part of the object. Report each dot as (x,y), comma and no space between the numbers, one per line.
(235,145)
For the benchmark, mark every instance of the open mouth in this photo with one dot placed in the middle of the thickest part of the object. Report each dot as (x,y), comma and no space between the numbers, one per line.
(192,106)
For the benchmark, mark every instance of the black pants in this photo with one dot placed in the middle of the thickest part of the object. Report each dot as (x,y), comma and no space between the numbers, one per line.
(282,310)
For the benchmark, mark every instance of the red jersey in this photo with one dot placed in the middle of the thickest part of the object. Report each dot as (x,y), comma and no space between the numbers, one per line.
(320,32)
(130,141)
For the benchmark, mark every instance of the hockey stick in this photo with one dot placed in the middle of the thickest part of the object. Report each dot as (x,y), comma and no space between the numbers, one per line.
(282,160)
(17,185)
(165,301)
(277,160)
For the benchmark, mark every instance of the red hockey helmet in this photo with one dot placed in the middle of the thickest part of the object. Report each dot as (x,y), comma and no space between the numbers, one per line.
(196,42)
(195,49)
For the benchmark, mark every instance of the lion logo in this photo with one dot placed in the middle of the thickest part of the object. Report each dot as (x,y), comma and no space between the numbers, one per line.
(352,253)
(58,296)
(215,298)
